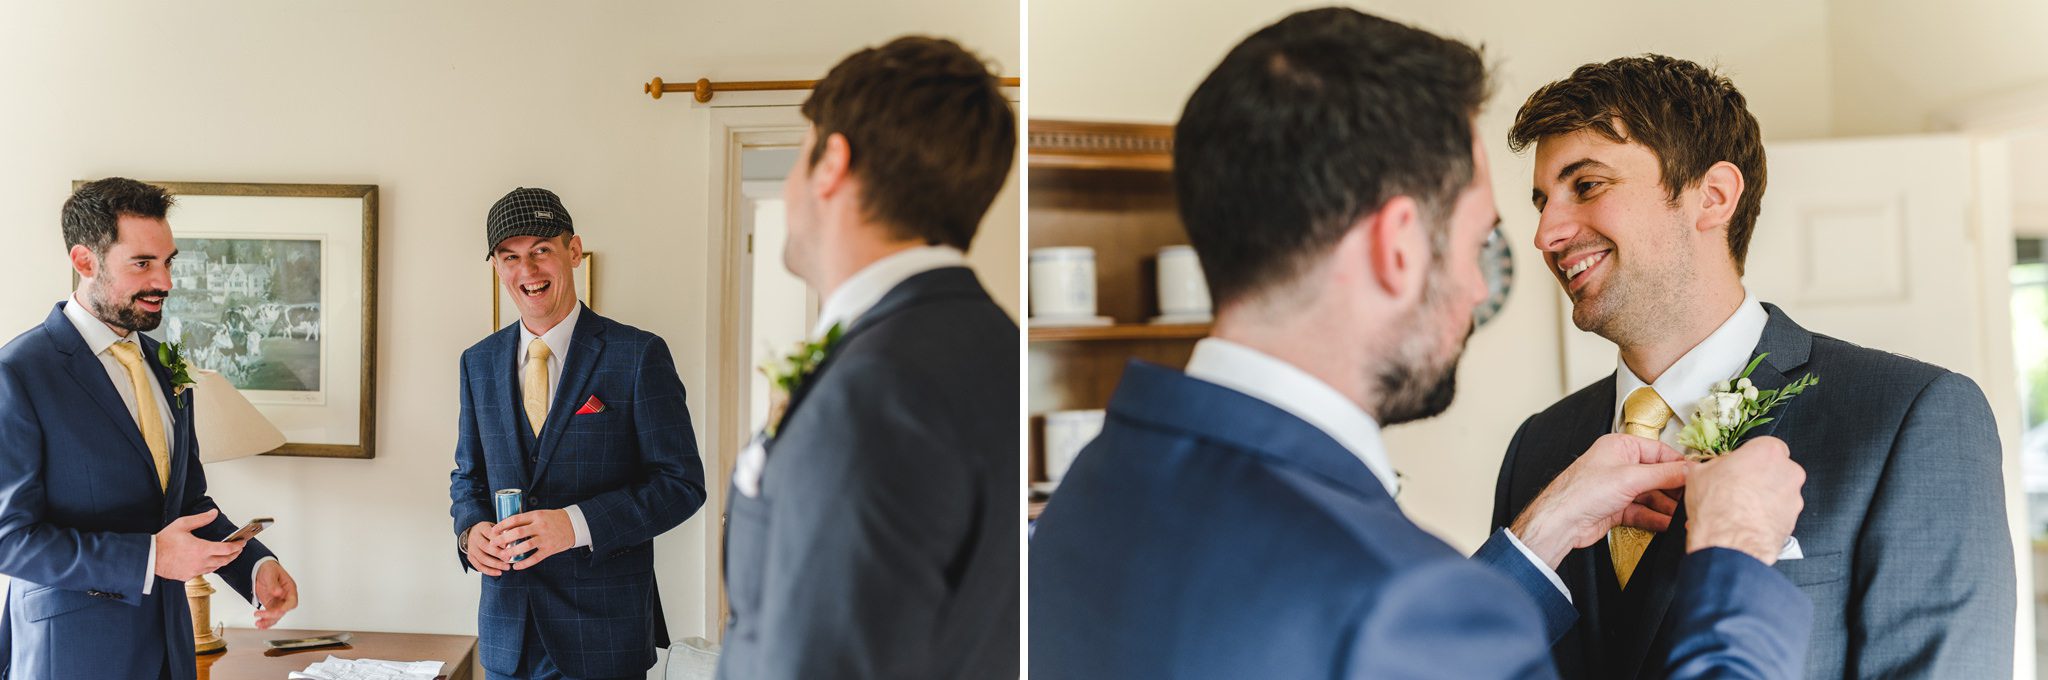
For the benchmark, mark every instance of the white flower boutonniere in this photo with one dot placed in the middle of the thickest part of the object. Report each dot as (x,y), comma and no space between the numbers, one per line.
(1731,409)
(172,356)
(787,373)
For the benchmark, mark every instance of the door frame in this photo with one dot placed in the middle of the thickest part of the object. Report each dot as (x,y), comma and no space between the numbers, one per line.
(732,131)
(1991,124)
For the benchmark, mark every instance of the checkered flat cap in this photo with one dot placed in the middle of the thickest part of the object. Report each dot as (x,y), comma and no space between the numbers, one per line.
(526,212)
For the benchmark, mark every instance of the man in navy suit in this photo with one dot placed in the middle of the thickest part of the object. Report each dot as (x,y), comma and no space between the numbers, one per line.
(103,506)
(1238,520)
(586,417)
(874,532)
(1649,178)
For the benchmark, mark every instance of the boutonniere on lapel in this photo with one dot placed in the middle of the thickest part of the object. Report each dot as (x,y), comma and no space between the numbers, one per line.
(787,373)
(172,356)
(1731,409)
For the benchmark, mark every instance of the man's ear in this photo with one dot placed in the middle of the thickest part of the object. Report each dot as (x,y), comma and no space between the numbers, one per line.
(829,174)
(1720,190)
(575,250)
(1395,246)
(83,262)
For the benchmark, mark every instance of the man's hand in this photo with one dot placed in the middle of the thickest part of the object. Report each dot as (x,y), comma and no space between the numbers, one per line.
(1747,500)
(181,556)
(276,594)
(1619,481)
(546,532)
(484,556)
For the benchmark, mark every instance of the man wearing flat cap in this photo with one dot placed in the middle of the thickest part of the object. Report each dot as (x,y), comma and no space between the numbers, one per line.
(585,416)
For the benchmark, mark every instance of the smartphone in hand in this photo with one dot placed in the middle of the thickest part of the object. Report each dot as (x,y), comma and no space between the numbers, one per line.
(248,531)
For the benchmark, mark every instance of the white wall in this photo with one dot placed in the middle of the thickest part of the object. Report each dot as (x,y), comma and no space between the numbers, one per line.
(1112,61)
(1899,65)
(445,106)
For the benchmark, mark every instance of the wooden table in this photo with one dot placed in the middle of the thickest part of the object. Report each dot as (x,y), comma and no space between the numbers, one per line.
(246,658)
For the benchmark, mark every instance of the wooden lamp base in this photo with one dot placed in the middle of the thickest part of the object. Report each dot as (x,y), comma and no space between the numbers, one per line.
(205,638)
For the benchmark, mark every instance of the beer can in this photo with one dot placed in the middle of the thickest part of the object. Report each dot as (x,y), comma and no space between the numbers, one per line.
(510,502)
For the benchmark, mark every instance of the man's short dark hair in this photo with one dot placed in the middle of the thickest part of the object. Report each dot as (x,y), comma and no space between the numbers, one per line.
(931,135)
(1312,123)
(92,215)
(1687,115)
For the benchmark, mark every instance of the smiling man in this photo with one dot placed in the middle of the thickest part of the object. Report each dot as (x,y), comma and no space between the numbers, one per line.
(585,416)
(1649,178)
(103,507)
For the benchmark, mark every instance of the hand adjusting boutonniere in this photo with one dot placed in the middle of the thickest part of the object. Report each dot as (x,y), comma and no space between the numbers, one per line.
(172,356)
(787,373)
(1731,409)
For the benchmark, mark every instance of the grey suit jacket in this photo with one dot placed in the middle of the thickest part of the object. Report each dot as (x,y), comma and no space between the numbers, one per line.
(1907,557)
(884,542)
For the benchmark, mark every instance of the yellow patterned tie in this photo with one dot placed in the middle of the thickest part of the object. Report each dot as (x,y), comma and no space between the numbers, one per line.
(535,386)
(146,415)
(1643,414)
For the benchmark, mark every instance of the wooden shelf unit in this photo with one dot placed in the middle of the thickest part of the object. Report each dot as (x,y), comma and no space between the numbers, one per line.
(1130,331)
(1106,186)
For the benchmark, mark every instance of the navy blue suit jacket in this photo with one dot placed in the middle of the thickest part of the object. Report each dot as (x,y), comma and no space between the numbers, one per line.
(1907,559)
(884,541)
(1208,534)
(79,506)
(632,469)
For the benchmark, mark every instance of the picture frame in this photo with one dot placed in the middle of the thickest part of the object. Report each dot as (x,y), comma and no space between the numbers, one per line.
(503,311)
(275,286)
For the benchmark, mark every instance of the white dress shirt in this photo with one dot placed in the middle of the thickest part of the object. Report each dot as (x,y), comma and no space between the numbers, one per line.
(860,292)
(1266,378)
(1717,358)
(99,337)
(557,339)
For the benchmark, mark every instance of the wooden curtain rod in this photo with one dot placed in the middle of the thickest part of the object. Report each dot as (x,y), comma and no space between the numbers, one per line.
(704,89)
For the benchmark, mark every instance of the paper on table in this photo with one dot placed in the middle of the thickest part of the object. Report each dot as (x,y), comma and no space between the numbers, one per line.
(336,668)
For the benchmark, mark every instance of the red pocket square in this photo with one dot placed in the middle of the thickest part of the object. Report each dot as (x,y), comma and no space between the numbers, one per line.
(591,406)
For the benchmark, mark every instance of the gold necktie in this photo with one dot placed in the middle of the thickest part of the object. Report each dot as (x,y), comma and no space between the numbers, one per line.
(146,415)
(535,386)
(1643,414)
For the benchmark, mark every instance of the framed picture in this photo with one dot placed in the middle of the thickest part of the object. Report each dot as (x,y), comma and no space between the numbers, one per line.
(503,310)
(275,286)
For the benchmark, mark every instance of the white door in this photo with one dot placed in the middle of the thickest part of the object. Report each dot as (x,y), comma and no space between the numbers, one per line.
(1882,242)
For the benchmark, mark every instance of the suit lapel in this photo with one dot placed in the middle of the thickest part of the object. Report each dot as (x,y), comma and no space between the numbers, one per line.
(502,392)
(91,375)
(1589,573)
(1788,346)
(941,282)
(585,346)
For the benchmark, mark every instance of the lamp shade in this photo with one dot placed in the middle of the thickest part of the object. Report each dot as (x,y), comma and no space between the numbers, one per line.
(228,426)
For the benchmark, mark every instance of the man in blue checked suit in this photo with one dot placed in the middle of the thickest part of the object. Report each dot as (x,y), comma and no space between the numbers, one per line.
(103,507)
(1237,520)
(586,417)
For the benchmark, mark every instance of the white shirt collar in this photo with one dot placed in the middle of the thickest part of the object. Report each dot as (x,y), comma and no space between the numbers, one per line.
(98,337)
(557,338)
(1717,358)
(1266,378)
(861,291)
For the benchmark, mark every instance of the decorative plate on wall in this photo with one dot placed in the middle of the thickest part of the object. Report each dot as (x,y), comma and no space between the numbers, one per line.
(1497,262)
